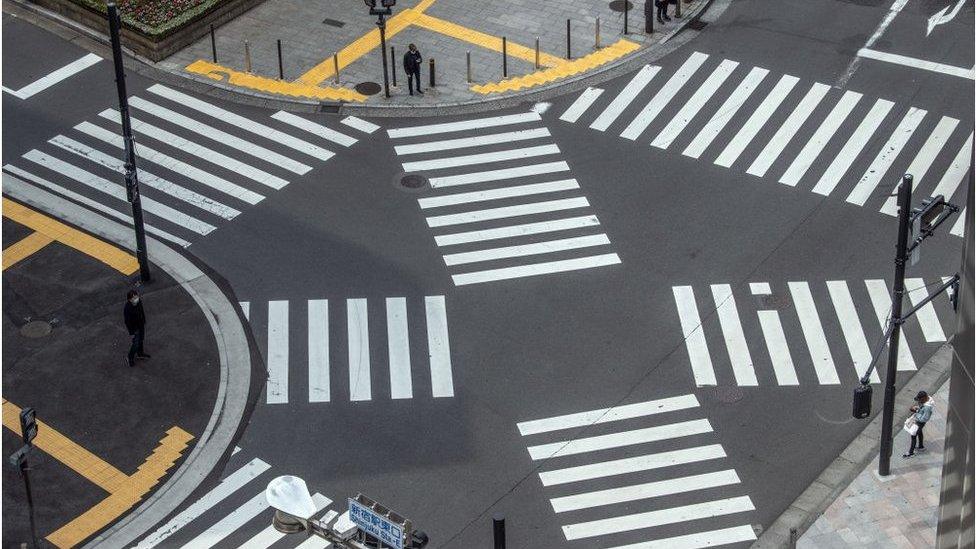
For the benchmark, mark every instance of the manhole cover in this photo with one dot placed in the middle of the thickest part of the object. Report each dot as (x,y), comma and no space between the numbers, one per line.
(413,181)
(334,23)
(35,329)
(368,88)
(776,302)
(728,394)
(621,5)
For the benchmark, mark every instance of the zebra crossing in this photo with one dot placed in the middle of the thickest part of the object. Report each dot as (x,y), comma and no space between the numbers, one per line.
(640,476)
(803,135)
(199,165)
(410,335)
(503,205)
(838,327)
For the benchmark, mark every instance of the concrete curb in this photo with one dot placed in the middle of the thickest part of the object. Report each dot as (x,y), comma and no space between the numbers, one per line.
(858,455)
(174,75)
(233,345)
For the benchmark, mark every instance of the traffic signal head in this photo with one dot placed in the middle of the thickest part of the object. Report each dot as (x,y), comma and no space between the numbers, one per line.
(28,425)
(929,212)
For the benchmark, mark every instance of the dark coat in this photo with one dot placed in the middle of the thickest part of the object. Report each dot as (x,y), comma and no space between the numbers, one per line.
(411,61)
(135,316)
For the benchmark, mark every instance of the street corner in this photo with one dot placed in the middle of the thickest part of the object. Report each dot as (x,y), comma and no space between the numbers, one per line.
(107,434)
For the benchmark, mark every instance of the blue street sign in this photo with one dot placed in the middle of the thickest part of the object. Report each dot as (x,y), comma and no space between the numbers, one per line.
(376,525)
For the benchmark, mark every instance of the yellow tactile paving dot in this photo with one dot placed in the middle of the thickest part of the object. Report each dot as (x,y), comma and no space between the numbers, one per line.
(23,248)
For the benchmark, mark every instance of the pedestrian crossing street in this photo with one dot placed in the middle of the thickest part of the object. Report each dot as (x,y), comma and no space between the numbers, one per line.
(836,328)
(640,476)
(807,135)
(415,335)
(199,165)
(503,204)
(236,509)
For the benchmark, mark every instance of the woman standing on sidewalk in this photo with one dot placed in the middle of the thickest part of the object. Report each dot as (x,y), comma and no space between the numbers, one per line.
(923,412)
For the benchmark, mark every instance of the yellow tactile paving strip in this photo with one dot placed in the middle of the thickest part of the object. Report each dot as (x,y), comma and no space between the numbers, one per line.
(487,41)
(270,85)
(52,229)
(26,247)
(124,490)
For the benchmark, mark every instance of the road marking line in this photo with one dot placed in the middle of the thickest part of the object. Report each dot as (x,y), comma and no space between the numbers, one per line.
(850,325)
(661,517)
(517,230)
(495,194)
(53,78)
(277,384)
(923,160)
(269,536)
(881,300)
(756,121)
(98,206)
(694,335)
(398,341)
(241,122)
(195,149)
(760,288)
(606,415)
(462,125)
(779,350)
(582,103)
(315,542)
(52,229)
(852,149)
(536,269)
(694,104)
(484,40)
(477,141)
(927,319)
(915,63)
(957,171)
(886,157)
(631,465)
(788,130)
(711,538)
(319,388)
(617,440)
(735,339)
(537,248)
(813,333)
(315,129)
(625,97)
(498,175)
(359,124)
(508,211)
(663,96)
(815,146)
(889,17)
(246,309)
(357,328)
(646,490)
(23,248)
(439,347)
(725,113)
(220,136)
(482,158)
(230,523)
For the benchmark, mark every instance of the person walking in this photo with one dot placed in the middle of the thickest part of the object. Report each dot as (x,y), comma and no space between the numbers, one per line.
(922,412)
(662,11)
(135,321)
(411,66)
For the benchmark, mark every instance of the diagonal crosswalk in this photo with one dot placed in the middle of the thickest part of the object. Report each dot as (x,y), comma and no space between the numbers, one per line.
(649,473)
(739,336)
(517,212)
(345,339)
(801,134)
(199,165)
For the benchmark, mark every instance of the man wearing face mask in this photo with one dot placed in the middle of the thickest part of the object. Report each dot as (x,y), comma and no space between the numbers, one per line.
(135,322)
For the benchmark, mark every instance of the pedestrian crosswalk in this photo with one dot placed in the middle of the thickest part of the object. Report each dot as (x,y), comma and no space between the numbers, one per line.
(199,165)
(351,345)
(836,328)
(516,213)
(805,135)
(642,475)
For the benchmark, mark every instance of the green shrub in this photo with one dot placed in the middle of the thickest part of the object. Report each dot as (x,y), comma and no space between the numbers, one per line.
(156,18)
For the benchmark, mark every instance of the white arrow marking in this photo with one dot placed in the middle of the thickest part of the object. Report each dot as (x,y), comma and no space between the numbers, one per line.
(941,17)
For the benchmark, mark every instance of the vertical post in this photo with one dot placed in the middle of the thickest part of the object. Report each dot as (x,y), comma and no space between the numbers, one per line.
(30,500)
(649,16)
(596,42)
(381,23)
(468,59)
(794,536)
(569,49)
(505,57)
(247,57)
(537,65)
(898,291)
(433,82)
(677,9)
(131,175)
(281,68)
(393,64)
(498,531)
(213,43)
(626,11)
(335,63)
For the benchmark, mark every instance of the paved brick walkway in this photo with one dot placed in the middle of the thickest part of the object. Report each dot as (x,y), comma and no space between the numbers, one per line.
(900,511)
(311,32)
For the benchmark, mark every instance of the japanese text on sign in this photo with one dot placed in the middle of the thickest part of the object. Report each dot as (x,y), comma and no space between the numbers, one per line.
(376,525)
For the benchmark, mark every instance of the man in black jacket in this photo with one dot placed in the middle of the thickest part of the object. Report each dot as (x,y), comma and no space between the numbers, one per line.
(135,322)
(411,65)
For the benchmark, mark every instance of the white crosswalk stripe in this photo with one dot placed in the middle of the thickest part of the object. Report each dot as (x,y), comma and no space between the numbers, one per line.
(588,494)
(802,135)
(800,332)
(363,326)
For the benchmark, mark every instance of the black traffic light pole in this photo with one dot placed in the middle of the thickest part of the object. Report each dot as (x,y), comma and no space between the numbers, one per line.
(28,430)
(131,176)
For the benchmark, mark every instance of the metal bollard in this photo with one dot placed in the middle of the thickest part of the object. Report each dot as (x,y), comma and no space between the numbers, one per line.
(596,43)
(537,52)
(281,69)
(504,57)
(468,56)
(626,11)
(335,64)
(569,51)
(649,16)
(393,65)
(213,43)
(498,531)
(793,534)
(247,57)
(432,81)
(677,9)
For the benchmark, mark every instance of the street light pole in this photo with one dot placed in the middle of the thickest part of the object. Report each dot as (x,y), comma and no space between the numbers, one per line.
(131,176)
(381,23)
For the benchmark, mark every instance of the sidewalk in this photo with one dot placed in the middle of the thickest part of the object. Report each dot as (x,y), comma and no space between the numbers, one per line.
(900,511)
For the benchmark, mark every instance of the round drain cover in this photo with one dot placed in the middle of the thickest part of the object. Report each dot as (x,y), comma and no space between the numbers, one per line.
(621,5)
(368,88)
(35,329)
(413,181)
(728,394)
